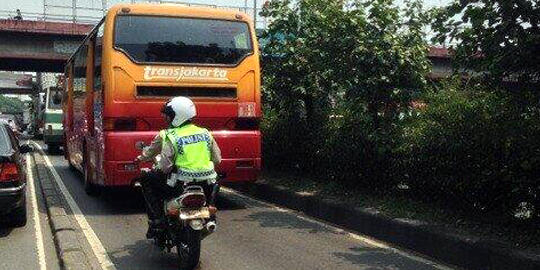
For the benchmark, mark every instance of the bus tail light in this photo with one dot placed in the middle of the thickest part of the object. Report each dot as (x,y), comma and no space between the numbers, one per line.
(125,124)
(9,172)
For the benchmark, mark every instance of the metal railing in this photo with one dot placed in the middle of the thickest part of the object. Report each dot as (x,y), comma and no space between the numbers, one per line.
(30,16)
(69,14)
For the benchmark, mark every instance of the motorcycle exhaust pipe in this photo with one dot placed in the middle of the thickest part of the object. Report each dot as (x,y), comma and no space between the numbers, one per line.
(210,227)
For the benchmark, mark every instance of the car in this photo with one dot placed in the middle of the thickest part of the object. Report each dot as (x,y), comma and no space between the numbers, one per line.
(12,178)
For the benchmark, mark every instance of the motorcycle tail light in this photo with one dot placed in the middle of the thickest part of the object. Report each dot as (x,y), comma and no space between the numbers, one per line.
(213,210)
(193,201)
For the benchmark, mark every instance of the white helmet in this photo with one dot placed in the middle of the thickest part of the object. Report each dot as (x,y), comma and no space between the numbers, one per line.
(183,109)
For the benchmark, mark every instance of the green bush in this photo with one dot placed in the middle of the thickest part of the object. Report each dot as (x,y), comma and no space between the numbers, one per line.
(472,149)
(11,105)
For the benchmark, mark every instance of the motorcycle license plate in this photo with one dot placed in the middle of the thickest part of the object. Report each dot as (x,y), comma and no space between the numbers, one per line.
(194,213)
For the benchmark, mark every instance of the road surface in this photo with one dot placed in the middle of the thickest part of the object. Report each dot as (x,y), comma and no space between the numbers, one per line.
(251,235)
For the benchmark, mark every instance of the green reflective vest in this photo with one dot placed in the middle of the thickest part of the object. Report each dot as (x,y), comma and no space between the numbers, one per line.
(192,152)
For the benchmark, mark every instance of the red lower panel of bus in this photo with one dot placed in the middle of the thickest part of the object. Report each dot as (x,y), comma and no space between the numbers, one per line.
(240,150)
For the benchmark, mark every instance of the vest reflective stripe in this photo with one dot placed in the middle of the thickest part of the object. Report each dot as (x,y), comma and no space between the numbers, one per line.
(192,152)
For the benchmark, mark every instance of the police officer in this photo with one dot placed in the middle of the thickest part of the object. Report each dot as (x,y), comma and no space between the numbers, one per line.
(187,153)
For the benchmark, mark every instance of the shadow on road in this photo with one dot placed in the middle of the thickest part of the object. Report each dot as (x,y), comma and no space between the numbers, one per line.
(122,201)
(143,254)
(4,230)
(227,203)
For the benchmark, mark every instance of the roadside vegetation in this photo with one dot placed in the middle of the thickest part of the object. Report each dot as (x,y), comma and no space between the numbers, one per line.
(11,105)
(348,100)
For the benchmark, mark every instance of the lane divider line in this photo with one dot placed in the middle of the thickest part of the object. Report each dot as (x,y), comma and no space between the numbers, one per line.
(35,211)
(362,238)
(96,245)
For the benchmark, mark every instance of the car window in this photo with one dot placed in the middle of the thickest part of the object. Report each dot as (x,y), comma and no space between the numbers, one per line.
(13,139)
(5,140)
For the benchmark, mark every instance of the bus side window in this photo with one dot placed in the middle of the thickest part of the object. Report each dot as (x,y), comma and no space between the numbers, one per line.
(79,72)
(98,48)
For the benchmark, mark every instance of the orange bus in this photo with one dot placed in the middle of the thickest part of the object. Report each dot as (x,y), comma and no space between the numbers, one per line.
(140,55)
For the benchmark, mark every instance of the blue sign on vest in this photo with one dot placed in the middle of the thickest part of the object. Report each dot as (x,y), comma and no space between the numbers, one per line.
(193,139)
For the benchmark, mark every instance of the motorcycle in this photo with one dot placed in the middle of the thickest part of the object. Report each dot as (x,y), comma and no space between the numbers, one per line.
(187,220)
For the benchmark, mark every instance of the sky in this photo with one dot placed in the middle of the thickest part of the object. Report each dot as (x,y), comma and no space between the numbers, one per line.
(8,7)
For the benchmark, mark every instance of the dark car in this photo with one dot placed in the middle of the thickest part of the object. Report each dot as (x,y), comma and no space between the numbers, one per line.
(12,179)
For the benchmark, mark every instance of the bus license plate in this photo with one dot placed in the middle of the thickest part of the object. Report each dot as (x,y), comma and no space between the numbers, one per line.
(194,213)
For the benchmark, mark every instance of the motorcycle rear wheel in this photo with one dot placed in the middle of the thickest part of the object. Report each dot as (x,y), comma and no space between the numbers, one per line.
(189,249)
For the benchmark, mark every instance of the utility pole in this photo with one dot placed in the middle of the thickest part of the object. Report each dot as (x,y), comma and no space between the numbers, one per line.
(74,10)
(104,6)
(255,14)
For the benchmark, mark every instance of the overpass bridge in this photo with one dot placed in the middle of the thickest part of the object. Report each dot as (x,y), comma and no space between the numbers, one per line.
(16,83)
(42,42)
(38,45)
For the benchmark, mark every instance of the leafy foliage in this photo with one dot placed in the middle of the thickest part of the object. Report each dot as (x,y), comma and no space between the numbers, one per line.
(346,97)
(338,74)
(501,38)
(473,149)
(11,105)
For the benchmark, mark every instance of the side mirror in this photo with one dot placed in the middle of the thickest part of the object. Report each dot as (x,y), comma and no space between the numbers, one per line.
(26,148)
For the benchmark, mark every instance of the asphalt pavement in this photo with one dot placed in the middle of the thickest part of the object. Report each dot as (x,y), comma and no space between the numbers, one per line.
(251,235)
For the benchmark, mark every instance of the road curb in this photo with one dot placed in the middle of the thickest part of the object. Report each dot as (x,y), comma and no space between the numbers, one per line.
(429,240)
(68,248)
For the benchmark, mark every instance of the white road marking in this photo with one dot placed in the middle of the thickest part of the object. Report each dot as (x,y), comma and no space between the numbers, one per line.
(37,223)
(98,249)
(365,239)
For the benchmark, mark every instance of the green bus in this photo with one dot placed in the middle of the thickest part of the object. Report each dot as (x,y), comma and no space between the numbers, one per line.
(52,119)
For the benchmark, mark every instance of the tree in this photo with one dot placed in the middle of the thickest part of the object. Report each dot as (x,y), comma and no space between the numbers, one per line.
(340,71)
(370,52)
(498,38)
(11,105)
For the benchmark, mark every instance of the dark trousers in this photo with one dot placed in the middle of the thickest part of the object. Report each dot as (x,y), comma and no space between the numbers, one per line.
(156,191)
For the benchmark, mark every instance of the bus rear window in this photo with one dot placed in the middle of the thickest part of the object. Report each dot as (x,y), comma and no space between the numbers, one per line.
(182,40)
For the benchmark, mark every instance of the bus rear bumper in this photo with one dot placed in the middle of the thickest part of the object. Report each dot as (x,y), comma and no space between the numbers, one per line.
(241,151)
